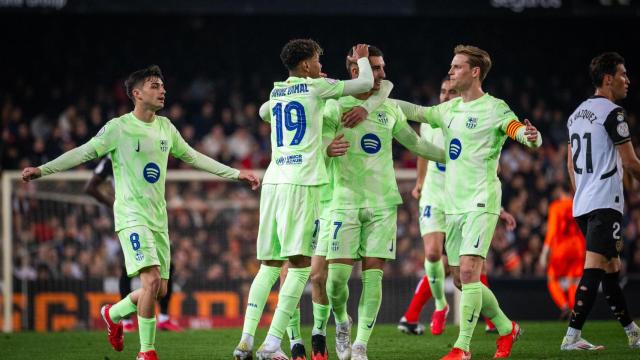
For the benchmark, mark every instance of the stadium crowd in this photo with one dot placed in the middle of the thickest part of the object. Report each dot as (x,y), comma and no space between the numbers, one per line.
(213,226)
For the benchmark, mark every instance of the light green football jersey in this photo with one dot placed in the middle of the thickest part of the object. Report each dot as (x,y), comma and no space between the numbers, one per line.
(365,177)
(297,106)
(433,184)
(474,134)
(139,152)
(328,134)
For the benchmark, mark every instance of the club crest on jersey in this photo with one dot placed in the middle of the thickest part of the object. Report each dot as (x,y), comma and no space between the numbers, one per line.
(164,145)
(139,256)
(382,118)
(472,122)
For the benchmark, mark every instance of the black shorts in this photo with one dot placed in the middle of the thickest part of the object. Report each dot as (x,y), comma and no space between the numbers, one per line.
(602,229)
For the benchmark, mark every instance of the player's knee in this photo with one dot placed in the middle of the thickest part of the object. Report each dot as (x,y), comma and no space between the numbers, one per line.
(466,275)
(319,279)
(433,255)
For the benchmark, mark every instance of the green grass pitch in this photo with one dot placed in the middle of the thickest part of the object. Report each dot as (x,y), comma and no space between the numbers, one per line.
(541,340)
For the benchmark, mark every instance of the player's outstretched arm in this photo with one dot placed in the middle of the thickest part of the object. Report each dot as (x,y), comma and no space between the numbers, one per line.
(66,161)
(629,159)
(364,82)
(417,145)
(357,114)
(186,153)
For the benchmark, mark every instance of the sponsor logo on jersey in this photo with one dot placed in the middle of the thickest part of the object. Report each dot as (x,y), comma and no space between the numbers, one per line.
(623,129)
(370,143)
(472,122)
(151,173)
(331,81)
(164,145)
(620,116)
(295,159)
(382,118)
(102,130)
(455,148)
(440,166)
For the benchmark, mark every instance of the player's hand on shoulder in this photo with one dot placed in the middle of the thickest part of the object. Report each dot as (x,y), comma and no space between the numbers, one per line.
(353,117)
(30,173)
(530,131)
(338,146)
(249,178)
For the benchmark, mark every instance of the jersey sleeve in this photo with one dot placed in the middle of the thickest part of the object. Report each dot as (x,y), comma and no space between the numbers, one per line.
(330,122)
(617,126)
(183,151)
(379,97)
(104,169)
(411,140)
(327,88)
(265,112)
(106,139)
(433,115)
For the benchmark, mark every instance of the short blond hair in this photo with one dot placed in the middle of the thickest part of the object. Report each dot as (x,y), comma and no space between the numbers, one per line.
(477,58)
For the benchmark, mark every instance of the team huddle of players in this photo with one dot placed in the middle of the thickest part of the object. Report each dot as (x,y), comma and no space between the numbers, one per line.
(329,197)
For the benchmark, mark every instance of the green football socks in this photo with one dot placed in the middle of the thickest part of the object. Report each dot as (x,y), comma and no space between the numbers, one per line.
(369,304)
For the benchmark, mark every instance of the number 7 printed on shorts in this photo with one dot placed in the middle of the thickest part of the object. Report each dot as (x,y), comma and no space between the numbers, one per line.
(337,224)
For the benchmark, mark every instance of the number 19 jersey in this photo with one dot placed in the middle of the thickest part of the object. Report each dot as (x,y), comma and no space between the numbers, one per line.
(296,107)
(595,128)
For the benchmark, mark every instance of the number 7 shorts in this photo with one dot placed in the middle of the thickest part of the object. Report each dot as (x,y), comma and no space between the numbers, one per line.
(143,247)
(289,221)
(364,232)
(469,234)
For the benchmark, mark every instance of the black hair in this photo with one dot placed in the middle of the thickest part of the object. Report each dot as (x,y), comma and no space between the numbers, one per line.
(604,64)
(298,50)
(139,76)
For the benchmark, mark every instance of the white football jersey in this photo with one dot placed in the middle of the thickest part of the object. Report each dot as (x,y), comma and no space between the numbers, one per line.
(595,128)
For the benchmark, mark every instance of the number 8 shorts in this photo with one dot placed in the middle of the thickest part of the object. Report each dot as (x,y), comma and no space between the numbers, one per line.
(143,247)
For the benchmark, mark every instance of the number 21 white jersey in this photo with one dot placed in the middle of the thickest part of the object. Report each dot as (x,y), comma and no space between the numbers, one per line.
(595,128)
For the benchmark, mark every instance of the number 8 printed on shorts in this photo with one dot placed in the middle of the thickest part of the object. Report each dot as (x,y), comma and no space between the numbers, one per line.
(135,241)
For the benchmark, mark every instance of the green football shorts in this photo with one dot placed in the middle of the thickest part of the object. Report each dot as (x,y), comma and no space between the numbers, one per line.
(143,247)
(321,243)
(469,234)
(364,232)
(288,221)
(431,219)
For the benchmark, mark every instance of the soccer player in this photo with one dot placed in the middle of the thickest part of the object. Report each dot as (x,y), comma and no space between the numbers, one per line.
(428,190)
(337,146)
(599,148)
(290,198)
(475,127)
(103,173)
(139,144)
(563,252)
(363,216)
